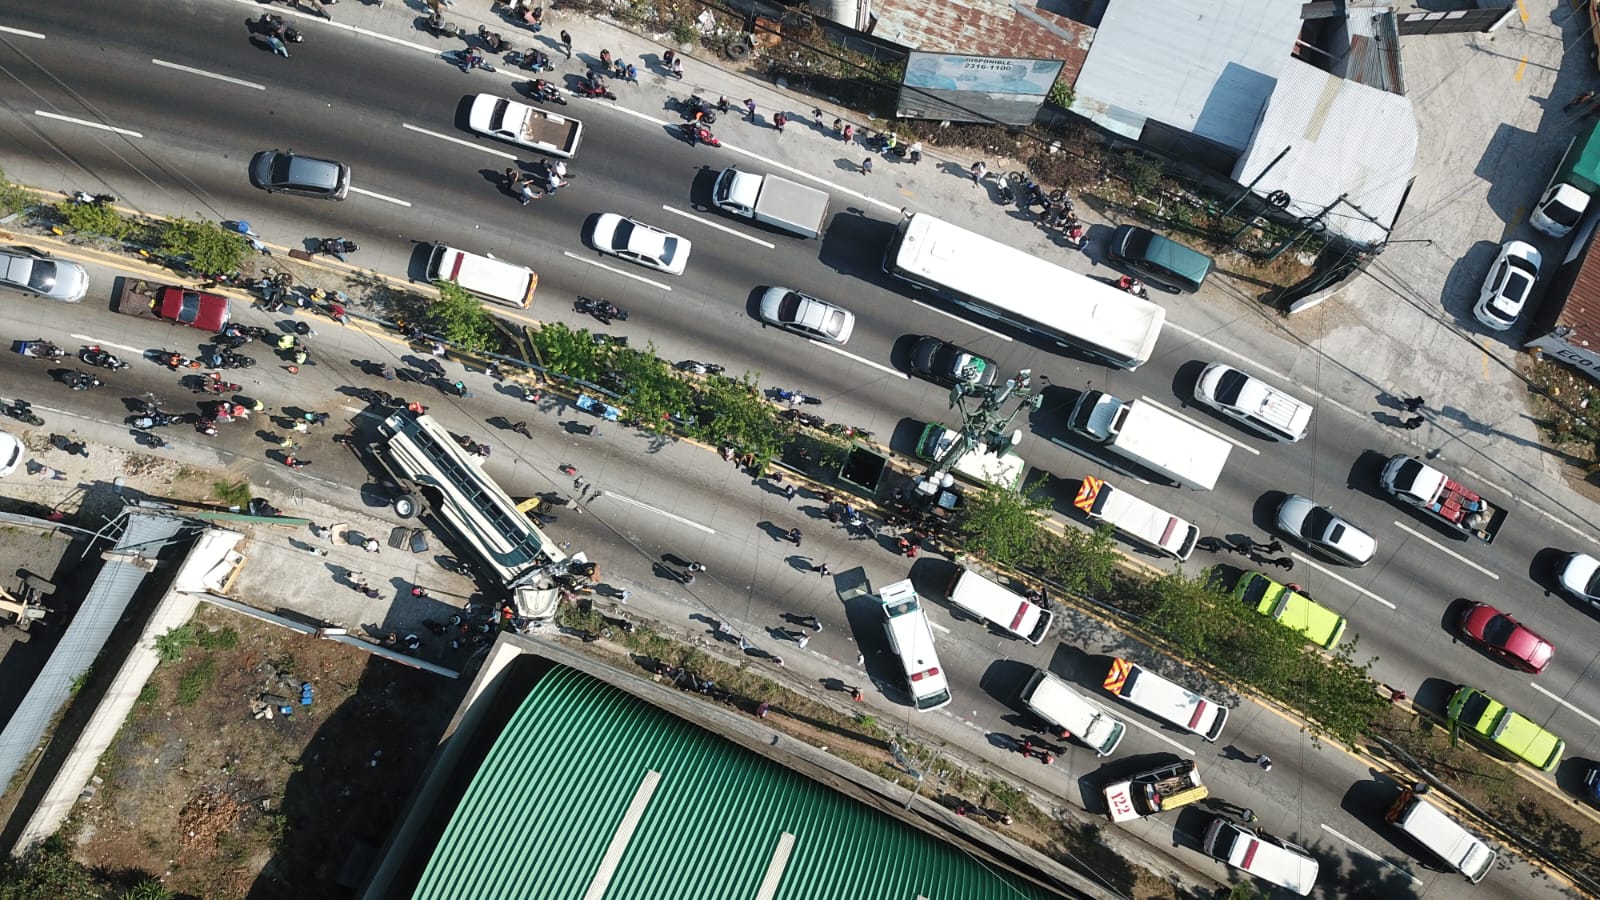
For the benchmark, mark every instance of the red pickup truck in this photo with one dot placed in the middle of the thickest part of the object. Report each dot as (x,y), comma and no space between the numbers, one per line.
(179,305)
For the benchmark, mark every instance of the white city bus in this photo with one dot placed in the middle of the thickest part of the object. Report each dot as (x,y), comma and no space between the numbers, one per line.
(437,478)
(911,637)
(1024,291)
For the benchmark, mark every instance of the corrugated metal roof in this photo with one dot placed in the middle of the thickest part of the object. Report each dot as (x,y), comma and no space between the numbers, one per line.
(1343,138)
(985,28)
(91,626)
(1204,66)
(588,786)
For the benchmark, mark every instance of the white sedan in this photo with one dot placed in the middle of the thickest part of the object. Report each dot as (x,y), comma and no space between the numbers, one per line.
(1506,289)
(644,244)
(1580,577)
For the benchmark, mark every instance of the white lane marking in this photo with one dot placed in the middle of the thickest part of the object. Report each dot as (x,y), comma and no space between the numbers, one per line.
(950,315)
(377,196)
(866,362)
(1443,549)
(720,227)
(1369,853)
(86,123)
(1586,535)
(1255,364)
(1592,719)
(94,340)
(938,626)
(1203,427)
(660,512)
(204,74)
(492,151)
(1158,735)
(600,265)
(20,33)
(1341,579)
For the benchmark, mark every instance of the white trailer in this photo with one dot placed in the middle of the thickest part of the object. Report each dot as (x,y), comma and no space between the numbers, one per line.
(1159,440)
(1144,522)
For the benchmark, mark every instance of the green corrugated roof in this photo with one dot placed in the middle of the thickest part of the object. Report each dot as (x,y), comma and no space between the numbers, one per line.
(554,790)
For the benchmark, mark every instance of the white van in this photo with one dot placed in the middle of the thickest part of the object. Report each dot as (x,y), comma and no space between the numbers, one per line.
(483,276)
(1012,613)
(1065,710)
(1166,699)
(1138,519)
(1441,835)
(1262,855)
(911,638)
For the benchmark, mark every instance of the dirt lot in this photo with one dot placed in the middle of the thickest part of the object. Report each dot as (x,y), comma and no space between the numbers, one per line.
(226,805)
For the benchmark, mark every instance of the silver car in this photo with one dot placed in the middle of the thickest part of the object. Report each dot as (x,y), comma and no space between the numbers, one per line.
(37,272)
(806,315)
(1324,532)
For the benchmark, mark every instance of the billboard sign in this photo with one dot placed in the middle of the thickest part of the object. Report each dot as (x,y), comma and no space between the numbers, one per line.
(975,88)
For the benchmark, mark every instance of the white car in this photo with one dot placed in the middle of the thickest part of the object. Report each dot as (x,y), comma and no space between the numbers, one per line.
(641,243)
(10,453)
(1559,210)
(1253,403)
(1505,291)
(1324,531)
(37,272)
(1580,576)
(806,315)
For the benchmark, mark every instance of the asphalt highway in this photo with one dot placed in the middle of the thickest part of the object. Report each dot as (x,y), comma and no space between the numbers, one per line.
(395,113)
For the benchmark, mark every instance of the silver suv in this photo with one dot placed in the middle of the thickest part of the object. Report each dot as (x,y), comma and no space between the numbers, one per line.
(1253,403)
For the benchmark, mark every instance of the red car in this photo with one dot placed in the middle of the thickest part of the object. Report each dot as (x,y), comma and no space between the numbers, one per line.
(190,307)
(1505,637)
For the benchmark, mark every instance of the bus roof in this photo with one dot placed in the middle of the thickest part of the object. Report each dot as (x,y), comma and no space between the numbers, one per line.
(939,253)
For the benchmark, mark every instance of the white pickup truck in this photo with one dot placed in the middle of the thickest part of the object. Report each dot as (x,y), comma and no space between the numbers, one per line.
(1148,793)
(1415,483)
(774,201)
(525,126)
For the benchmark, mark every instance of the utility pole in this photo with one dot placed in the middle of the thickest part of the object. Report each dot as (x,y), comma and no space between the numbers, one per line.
(983,424)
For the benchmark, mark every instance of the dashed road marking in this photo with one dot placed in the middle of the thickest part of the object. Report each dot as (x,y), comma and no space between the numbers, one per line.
(1443,549)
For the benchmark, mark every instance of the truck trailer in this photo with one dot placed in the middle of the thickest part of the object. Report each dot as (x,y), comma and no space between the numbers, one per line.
(1162,442)
(774,201)
(1144,522)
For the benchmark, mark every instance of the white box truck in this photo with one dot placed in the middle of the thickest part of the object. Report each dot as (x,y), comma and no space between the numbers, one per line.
(1144,522)
(1161,441)
(774,201)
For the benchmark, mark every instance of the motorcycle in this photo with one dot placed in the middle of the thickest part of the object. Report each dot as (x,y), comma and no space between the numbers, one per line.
(540,89)
(467,60)
(438,27)
(700,368)
(806,419)
(215,385)
(594,86)
(41,349)
(227,359)
(697,133)
(79,380)
(531,59)
(604,310)
(153,441)
(1133,286)
(22,411)
(95,356)
(699,104)
(175,361)
(796,397)
(154,418)
(337,247)
(271,24)
(84,198)
(492,41)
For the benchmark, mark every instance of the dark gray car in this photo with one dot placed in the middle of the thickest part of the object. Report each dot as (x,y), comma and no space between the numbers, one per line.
(277,171)
(939,360)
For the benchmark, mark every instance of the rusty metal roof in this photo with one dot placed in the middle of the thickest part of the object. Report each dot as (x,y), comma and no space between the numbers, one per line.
(985,28)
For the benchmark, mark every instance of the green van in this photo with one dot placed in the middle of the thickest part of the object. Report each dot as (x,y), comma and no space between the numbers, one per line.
(1161,261)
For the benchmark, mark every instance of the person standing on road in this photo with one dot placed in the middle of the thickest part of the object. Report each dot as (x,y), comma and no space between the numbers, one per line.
(566,43)
(848,134)
(779,120)
(750,108)
(794,535)
(1413,423)
(1265,762)
(866,166)
(1412,404)
(677,69)
(978,171)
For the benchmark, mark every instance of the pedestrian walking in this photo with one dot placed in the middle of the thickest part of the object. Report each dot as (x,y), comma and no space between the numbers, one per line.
(801,639)
(296,463)
(631,73)
(1413,423)
(1209,544)
(789,492)
(277,45)
(522,429)
(688,578)
(1412,404)
(371,545)
(566,43)
(321,531)
(779,120)
(794,535)
(838,126)
(750,108)
(605,61)
(1579,100)
(677,69)
(866,166)
(849,133)
(811,622)
(526,191)
(1265,762)
(51,473)
(744,645)
(317,551)
(816,114)
(823,570)
(978,171)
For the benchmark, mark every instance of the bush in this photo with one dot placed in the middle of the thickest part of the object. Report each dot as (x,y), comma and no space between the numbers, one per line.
(460,318)
(97,218)
(205,246)
(14,198)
